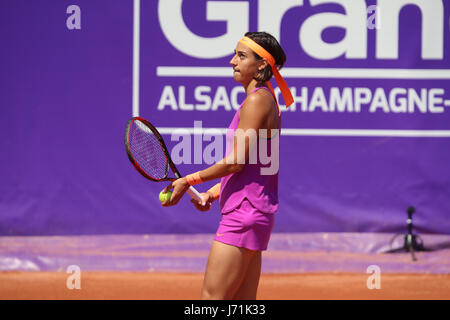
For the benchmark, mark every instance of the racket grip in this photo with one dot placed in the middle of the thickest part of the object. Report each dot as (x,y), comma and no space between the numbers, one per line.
(194,193)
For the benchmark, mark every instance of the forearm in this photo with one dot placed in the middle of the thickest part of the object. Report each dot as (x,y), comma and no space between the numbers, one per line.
(219,170)
(216,171)
(232,163)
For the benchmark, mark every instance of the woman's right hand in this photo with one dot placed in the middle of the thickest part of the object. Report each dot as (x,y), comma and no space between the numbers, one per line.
(207,199)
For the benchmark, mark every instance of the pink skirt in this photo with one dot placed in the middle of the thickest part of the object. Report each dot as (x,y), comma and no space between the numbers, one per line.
(246,227)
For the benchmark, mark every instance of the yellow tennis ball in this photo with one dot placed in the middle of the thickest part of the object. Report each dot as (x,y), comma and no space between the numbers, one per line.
(165,196)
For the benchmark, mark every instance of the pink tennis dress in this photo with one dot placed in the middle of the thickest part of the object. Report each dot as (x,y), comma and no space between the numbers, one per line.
(248,199)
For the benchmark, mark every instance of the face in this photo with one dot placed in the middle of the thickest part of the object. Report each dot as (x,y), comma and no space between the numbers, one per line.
(245,65)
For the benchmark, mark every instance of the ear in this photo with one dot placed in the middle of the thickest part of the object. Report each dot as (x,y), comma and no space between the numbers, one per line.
(263,64)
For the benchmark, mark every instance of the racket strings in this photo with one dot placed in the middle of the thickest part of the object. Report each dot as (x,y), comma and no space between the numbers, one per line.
(147,151)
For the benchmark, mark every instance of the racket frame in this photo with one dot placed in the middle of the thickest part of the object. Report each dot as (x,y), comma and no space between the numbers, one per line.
(191,191)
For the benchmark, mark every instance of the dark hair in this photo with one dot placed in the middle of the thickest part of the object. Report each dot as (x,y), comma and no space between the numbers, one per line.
(268,42)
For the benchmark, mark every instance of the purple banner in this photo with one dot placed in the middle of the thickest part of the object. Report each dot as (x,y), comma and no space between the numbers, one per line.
(367,136)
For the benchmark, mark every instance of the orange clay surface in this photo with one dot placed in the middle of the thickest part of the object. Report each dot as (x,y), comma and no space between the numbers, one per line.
(187,286)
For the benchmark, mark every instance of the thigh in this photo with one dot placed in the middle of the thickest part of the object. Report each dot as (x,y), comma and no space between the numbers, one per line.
(249,285)
(225,270)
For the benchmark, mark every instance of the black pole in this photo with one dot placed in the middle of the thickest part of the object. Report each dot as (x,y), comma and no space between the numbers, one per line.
(410,211)
(411,243)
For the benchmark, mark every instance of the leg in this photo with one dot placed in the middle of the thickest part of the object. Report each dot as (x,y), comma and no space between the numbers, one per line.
(249,286)
(225,271)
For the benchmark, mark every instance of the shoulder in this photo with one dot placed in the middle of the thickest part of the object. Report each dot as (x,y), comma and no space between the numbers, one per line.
(260,102)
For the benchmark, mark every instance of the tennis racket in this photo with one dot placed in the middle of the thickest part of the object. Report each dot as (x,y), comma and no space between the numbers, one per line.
(148,153)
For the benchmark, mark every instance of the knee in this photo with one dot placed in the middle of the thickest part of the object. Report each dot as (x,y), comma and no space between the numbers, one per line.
(208,294)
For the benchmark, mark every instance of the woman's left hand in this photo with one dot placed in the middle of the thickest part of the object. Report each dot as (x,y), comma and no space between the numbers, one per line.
(179,186)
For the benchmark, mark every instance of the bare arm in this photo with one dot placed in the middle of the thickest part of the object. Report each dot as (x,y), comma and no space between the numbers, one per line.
(252,117)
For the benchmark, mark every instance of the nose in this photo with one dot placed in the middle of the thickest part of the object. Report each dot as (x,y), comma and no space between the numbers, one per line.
(233,61)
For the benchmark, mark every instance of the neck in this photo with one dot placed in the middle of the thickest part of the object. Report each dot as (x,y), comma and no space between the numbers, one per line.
(252,85)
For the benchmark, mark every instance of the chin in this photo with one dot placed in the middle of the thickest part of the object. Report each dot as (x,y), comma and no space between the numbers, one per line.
(238,78)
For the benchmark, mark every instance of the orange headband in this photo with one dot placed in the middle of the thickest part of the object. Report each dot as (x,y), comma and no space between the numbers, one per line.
(285,92)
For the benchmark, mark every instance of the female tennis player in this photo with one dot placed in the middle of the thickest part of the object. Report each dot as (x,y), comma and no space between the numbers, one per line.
(248,198)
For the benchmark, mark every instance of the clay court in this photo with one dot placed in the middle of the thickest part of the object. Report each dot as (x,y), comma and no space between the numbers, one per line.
(186,286)
(170,267)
